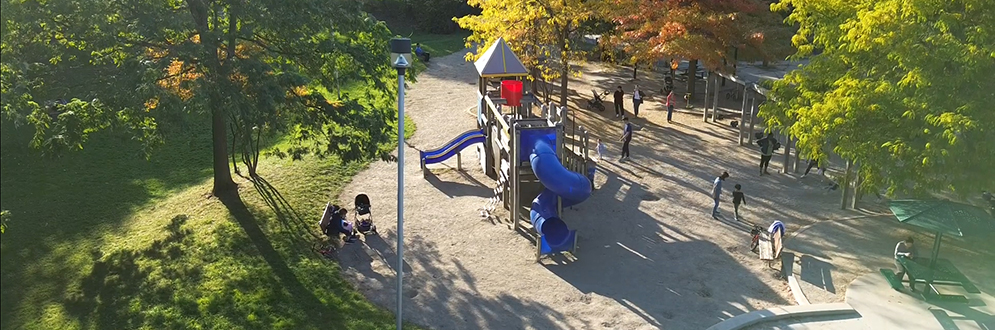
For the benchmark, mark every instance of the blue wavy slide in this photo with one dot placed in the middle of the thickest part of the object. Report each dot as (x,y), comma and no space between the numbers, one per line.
(452,147)
(559,182)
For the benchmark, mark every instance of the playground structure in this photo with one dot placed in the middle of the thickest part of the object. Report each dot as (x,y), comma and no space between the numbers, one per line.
(528,154)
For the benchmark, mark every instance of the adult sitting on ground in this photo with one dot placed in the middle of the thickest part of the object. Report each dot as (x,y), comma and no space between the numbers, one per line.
(421,53)
(333,222)
(344,226)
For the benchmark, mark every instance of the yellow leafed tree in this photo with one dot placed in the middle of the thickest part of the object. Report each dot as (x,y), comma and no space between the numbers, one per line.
(543,33)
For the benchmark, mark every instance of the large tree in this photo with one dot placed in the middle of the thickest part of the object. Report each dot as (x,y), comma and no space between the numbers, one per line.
(73,67)
(710,31)
(544,33)
(902,87)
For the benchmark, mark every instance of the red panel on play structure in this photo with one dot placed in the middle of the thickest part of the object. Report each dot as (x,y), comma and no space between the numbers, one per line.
(511,91)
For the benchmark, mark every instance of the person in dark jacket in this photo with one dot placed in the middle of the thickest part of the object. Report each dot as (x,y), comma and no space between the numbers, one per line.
(626,138)
(767,147)
(619,110)
(737,198)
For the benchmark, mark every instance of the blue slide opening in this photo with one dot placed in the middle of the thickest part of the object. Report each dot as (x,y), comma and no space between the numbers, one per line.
(572,187)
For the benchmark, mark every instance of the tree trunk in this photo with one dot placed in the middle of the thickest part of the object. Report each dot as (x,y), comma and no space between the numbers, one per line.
(635,68)
(692,75)
(223,183)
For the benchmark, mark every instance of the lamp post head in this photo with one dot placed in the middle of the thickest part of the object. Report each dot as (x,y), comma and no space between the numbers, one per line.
(400,53)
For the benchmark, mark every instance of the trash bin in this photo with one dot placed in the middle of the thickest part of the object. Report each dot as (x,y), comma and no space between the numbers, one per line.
(511,91)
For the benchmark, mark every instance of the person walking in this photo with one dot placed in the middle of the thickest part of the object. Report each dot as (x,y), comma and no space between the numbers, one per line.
(626,138)
(717,192)
(637,99)
(737,198)
(767,147)
(602,150)
(905,249)
(619,110)
(671,101)
(812,163)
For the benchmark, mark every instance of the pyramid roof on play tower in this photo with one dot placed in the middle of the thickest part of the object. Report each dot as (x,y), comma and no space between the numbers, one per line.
(500,61)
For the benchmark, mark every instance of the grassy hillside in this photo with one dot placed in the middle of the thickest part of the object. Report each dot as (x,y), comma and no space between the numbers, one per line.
(105,239)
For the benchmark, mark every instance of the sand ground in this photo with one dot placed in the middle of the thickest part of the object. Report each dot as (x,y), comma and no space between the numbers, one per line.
(649,255)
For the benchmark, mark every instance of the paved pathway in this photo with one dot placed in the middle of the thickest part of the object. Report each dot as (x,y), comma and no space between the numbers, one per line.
(881,307)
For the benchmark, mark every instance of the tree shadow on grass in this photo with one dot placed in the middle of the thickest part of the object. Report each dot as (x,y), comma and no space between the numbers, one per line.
(288,217)
(284,274)
(75,197)
(117,280)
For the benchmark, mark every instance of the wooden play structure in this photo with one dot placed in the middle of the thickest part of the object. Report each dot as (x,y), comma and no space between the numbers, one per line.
(529,155)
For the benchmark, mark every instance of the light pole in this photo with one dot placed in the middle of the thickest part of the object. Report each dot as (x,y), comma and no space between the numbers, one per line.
(400,57)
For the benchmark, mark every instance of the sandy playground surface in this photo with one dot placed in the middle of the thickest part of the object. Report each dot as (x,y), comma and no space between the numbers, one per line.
(650,256)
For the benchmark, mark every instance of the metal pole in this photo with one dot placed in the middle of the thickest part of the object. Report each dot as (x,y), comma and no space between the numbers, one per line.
(400,49)
(400,194)
(936,252)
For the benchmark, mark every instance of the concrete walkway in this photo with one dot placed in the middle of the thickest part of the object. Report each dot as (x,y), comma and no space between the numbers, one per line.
(881,307)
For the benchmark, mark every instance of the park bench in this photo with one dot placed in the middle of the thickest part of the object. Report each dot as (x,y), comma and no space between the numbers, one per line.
(895,282)
(771,246)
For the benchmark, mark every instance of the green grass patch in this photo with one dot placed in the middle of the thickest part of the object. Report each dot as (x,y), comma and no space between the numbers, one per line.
(438,45)
(105,239)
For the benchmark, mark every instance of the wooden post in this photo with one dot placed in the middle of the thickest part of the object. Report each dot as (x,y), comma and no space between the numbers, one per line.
(715,98)
(856,186)
(708,84)
(515,177)
(561,153)
(753,117)
(742,115)
(538,246)
(459,161)
(794,167)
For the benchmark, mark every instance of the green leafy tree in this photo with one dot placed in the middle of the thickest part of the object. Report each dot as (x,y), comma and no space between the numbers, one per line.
(543,33)
(898,87)
(72,67)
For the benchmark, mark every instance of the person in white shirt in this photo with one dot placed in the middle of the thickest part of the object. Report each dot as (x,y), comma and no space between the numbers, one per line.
(602,150)
(905,249)
(637,99)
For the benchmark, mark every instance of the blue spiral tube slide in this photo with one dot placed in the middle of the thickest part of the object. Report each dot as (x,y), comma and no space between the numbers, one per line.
(572,187)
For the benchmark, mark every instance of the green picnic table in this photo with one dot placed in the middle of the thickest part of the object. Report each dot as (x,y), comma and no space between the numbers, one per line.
(943,272)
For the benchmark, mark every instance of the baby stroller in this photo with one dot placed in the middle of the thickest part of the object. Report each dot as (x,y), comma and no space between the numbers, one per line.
(364,217)
(596,103)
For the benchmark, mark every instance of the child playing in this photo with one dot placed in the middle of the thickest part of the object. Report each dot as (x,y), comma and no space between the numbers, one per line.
(737,198)
(602,150)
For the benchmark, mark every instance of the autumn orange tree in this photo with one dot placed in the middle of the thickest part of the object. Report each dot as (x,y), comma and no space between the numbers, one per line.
(697,30)
(544,33)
